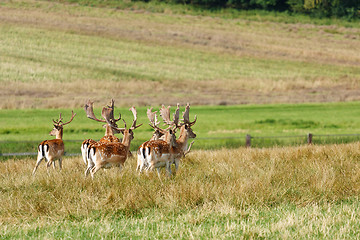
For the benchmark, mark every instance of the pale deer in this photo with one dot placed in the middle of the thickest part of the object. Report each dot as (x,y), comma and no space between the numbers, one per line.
(109,132)
(157,155)
(53,149)
(105,155)
(159,134)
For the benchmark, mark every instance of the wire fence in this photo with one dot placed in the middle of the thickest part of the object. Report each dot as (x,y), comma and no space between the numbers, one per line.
(10,149)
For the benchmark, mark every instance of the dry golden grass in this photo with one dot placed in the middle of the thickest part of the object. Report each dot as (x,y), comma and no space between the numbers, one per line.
(295,192)
(237,179)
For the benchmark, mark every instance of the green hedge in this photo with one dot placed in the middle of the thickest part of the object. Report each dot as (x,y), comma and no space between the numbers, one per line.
(349,9)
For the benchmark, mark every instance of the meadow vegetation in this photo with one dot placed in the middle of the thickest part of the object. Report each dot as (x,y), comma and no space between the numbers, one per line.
(293,192)
(57,55)
(217,126)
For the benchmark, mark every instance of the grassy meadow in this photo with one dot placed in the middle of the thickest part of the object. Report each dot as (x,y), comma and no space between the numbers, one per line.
(293,192)
(217,126)
(257,73)
(57,55)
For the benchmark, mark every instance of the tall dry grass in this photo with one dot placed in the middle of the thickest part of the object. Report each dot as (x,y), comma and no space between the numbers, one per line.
(225,179)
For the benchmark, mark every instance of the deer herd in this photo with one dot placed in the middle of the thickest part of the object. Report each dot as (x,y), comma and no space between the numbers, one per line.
(161,151)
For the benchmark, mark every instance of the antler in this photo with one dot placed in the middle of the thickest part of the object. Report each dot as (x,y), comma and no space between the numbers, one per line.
(186,118)
(165,114)
(133,126)
(154,121)
(177,115)
(109,111)
(152,117)
(58,121)
(188,150)
(72,117)
(108,115)
(90,112)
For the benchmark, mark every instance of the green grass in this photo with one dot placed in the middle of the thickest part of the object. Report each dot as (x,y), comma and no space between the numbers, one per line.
(216,127)
(336,221)
(48,50)
(57,55)
(65,57)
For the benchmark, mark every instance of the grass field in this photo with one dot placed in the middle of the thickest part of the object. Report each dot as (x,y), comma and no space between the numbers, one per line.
(57,55)
(217,126)
(304,72)
(293,192)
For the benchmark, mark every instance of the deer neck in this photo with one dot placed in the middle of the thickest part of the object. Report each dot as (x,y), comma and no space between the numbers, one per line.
(108,130)
(126,140)
(59,134)
(183,139)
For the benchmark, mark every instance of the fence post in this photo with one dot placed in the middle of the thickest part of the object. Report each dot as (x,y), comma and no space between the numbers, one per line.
(248,140)
(309,138)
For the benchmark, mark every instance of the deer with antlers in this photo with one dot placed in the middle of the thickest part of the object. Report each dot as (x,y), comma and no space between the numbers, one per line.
(167,135)
(159,153)
(53,149)
(105,155)
(109,131)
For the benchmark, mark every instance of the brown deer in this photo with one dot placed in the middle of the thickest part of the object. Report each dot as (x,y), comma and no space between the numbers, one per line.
(159,134)
(109,132)
(105,155)
(53,149)
(159,154)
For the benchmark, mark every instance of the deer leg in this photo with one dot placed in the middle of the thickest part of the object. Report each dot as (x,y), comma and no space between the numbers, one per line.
(120,167)
(87,171)
(38,161)
(158,172)
(94,170)
(84,151)
(177,162)
(89,168)
(139,163)
(60,163)
(168,168)
(48,164)
(142,167)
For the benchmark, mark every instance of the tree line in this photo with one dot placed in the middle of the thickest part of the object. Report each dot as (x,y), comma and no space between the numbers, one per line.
(349,9)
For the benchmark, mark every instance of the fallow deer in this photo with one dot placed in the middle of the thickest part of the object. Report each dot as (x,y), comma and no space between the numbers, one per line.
(159,134)
(105,155)
(157,155)
(53,149)
(109,132)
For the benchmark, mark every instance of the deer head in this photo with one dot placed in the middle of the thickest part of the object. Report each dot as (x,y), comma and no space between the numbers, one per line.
(58,125)
(185,126)
(127,132)
(107,113)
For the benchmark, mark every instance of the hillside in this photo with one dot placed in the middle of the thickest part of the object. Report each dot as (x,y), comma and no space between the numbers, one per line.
(58,55)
